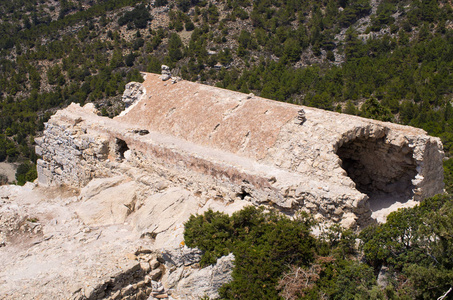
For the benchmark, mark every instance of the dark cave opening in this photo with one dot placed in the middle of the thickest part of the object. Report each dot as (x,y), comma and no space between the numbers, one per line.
(121,148)
(243,194)
(382,171)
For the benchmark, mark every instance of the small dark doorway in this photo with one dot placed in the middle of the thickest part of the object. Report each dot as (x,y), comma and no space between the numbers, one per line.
(121,148)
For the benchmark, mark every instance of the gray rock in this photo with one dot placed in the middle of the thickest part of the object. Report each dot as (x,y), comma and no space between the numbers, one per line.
(184,256)
(207,281)
(165,77)
(133,92)
(382,279)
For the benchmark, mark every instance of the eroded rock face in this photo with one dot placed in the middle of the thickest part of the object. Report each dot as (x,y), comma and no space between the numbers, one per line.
(133,92)
(233,146)
(115,238)
(189,282)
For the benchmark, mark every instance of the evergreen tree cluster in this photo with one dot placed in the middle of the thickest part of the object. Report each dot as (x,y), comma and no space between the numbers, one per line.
(278,258)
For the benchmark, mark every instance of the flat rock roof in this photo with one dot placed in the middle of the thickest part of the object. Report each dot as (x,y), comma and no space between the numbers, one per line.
(289,156)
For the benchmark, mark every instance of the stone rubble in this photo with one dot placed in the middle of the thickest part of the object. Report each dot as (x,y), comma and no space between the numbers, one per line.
(166,74)
(133,92)
(301,117)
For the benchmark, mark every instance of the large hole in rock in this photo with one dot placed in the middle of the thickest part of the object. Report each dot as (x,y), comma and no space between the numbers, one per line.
(382,171)
(121,148)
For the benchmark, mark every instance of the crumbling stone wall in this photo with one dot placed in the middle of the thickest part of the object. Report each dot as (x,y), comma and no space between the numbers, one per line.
(232,146)
(394,162)
(70,155)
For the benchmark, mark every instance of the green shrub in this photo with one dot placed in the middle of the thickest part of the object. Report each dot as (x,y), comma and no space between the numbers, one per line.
(264,244)
(276,256)
(417,244)
(26,172)
(139,16)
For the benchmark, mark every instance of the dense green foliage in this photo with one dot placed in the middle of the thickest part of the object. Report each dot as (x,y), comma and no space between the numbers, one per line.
(139,17)
(257,239)
(417,245)
(267,245)
(77,70)
(25,172)
(448,173)
(277,257)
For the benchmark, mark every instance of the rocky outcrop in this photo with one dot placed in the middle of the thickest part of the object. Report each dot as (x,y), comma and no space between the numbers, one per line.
(231,146)
(118,237)
(133,92)
(186,280)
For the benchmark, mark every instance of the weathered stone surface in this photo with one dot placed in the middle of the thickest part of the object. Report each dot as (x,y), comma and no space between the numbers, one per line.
(154,264)
(133,92)
(155,274)
(198,283)
(112,205)
(63,260)
(145,266)
(231,146)
(75,242)
(182,256)
(165,213)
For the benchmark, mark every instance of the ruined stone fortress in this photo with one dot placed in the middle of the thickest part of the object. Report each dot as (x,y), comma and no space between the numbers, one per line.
(230,147)
(106,218)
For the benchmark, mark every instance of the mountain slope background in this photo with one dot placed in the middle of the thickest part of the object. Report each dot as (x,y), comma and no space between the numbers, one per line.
(389,60)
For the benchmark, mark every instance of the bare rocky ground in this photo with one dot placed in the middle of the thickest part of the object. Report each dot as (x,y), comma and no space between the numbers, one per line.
(101,242)
(382,205)
(116,238)
(48,252)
